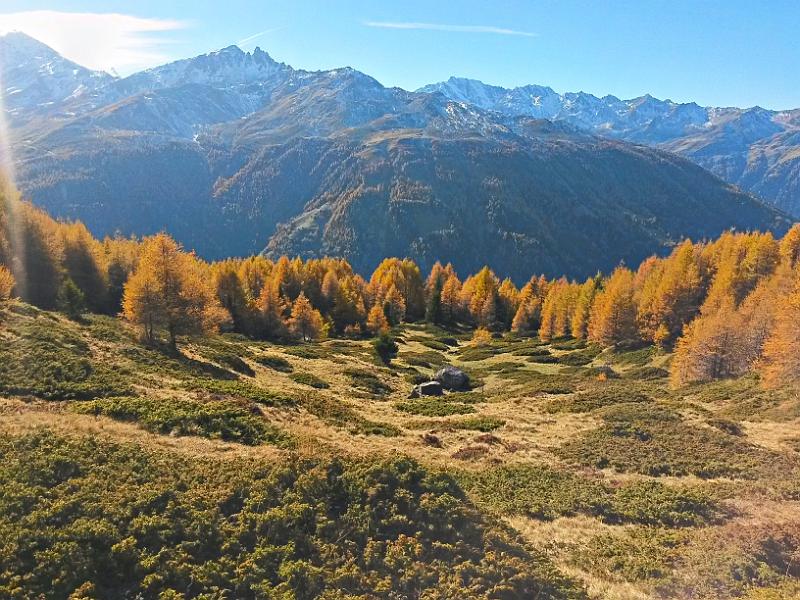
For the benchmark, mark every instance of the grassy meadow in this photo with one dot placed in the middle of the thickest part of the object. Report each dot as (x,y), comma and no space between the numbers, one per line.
(232,468)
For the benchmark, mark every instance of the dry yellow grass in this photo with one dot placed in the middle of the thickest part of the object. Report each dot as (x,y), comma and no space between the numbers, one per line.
(530,436)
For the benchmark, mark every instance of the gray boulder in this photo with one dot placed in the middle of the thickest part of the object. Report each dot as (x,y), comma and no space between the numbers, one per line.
(452,378)
(429,388)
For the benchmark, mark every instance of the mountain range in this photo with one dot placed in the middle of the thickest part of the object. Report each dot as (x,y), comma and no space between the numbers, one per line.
(235,153)
(755,148)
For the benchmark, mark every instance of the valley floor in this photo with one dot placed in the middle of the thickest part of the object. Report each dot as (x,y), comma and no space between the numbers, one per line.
(215,472)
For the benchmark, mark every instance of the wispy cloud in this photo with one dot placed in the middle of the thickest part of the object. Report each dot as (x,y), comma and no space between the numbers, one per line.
(255,36)
(104,41)
(445,27)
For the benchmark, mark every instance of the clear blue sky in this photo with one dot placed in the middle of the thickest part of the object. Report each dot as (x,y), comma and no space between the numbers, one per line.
(716,52)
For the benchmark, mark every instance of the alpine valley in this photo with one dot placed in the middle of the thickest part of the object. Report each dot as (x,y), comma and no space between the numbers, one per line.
(235,153)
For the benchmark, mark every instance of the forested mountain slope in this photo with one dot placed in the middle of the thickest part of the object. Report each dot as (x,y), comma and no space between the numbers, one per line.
(754,148)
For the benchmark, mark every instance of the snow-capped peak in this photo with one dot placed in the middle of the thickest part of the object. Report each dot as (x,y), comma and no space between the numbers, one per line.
(35,75)
(223,68)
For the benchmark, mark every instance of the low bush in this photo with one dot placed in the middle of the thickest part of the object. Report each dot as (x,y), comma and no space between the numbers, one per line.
(654,503)
(531,351)
(531,383)
(310,380)
(633,555)
(423,359)
(223,419)
(243,390)
(471,354)
(544,359)
(593,399)
(368,382)
(570,344)
(536,491)
(308,351)
(435,345)
(335,412)
(579,358)
(647,439)
(645,373)
(44,357)
(83,518)
(276,363)
(483,424)
(433,407)
(476,423)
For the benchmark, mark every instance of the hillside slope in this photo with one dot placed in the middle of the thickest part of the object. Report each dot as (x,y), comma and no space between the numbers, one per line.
(242,467)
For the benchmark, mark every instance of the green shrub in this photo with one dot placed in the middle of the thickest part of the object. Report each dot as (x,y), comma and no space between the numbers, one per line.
(647,439)
(435,345)
(472,354)
(476,423)
(579,358)
(335,412)
(244,390)
(472,397)
(48,358)
(415,377)
(530,383)
(423,359)
(630,356)
(308,351)
(544,359)
(645,373)
(368,382)
(223,419)
(433,407)
(483,424)
(119,520)
(310,379)
(536,491)
(504,367)
(276,363)
(235,363)
(385,348)
(635,555)
(531,351)
(654,503)
(571,344)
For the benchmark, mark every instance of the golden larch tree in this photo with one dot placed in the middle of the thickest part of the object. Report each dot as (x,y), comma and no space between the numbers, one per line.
(171,290)
(710,348)
(6,284)
(780,364)
(451,300)
(579,325)
(377,322)
(271,309)
(613,317)
(305,322)
(394,306)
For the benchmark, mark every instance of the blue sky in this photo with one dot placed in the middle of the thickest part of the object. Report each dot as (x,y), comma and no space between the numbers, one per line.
(715,52)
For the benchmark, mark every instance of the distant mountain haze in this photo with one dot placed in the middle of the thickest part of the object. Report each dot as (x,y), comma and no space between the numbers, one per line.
(754,148)
(234,153)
